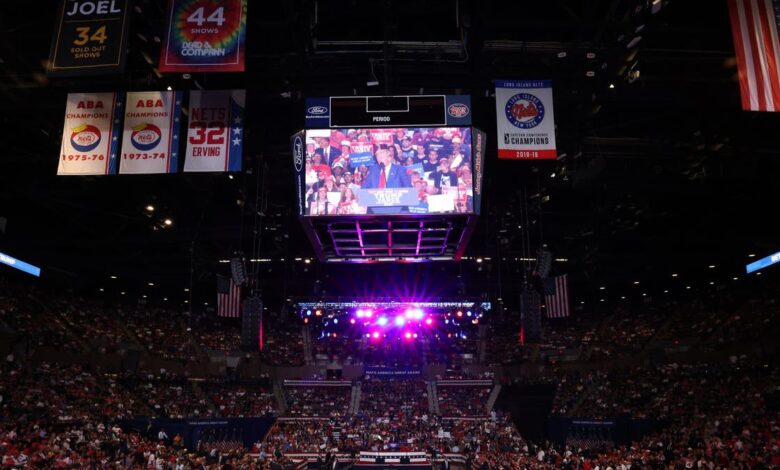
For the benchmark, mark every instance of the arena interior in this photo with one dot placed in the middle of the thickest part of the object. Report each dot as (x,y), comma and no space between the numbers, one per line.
(367,284)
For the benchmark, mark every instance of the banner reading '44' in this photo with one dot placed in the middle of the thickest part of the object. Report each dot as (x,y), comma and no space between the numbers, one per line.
(90,138)
(204,36)
(150,142)
(215,136)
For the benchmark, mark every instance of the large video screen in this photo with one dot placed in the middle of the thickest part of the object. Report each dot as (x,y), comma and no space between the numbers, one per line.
(405,170)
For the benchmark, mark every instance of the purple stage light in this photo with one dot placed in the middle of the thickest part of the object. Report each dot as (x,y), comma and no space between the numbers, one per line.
(375,335)
(400,321)
(415,335)
(409,313)
(429,321)
(382,321)
(359,314)
(352,321)
(368,313)
(368,335)
(408,335)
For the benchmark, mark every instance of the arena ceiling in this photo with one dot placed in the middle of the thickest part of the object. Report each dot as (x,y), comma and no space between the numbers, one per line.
(659,171)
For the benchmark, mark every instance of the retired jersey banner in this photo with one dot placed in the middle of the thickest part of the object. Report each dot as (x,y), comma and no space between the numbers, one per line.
(150,141)
(215,136)
(204,36)
(90,138)
(525,121)
(91,38)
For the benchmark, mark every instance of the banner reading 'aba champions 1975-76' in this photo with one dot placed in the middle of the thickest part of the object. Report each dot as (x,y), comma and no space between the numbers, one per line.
(90,38)
(150,141)
(90,138)
(215,136)
(204,36)
(525,121)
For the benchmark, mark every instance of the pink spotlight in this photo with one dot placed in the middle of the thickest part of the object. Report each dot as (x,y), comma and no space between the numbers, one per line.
(408,335)
(359,314)
(429,321)
(400,321)
(368,335)
(409,313)
(368,313)
(460,313)
(376,335)
(415,335)
(352,321)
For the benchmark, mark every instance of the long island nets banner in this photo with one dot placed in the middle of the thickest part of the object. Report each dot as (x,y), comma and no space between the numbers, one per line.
(204,36)
(90,138)
(524,120)
(150,141)
(215,136)
(90,38)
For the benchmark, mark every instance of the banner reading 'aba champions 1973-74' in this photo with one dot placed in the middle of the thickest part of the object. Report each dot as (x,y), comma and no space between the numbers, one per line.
(215,136)
(204,36)
(150,141)
(90,38)
(90,138)
(525,121)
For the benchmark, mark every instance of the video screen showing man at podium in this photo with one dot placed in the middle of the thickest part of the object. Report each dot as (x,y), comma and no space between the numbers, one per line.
(410,170)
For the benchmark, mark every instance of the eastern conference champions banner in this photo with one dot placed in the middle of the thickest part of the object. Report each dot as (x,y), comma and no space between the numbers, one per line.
(215,134)
(150,141)
(90,138)
(204,36)
(91,37)
(525,121)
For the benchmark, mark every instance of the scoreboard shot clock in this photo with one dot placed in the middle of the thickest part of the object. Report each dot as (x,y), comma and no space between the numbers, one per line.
(388,178)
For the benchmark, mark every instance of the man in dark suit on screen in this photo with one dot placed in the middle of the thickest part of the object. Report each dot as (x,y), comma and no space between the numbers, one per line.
(386,173)
(329,153)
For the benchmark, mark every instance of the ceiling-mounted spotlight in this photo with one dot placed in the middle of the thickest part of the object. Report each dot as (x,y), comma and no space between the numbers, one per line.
(372,83)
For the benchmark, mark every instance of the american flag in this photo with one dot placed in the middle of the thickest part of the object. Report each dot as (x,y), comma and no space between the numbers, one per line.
(754,25)
(556,300)
(228,297)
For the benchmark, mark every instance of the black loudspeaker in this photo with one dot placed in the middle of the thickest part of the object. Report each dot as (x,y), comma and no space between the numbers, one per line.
(531,315)
(252,324)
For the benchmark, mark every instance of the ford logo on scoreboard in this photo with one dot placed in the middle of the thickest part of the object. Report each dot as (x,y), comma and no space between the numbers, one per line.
(298,153)
(316,110)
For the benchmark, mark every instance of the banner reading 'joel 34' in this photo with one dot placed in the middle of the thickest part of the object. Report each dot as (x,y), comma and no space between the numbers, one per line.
(91,38)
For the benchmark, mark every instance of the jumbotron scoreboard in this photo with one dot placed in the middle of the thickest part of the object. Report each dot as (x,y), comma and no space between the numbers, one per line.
(388,178)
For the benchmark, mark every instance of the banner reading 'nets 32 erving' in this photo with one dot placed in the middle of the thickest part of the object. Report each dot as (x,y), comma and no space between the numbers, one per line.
(90,137)
(150,141)
(204,36)
(215,135)
(525,121)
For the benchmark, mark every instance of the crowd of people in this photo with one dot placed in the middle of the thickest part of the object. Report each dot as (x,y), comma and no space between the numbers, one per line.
(433,164)
(716,413)
(317,401)
(394,398)
(463,400)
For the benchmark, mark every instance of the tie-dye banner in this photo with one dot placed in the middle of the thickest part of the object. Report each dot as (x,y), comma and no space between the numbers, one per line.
(204,36)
